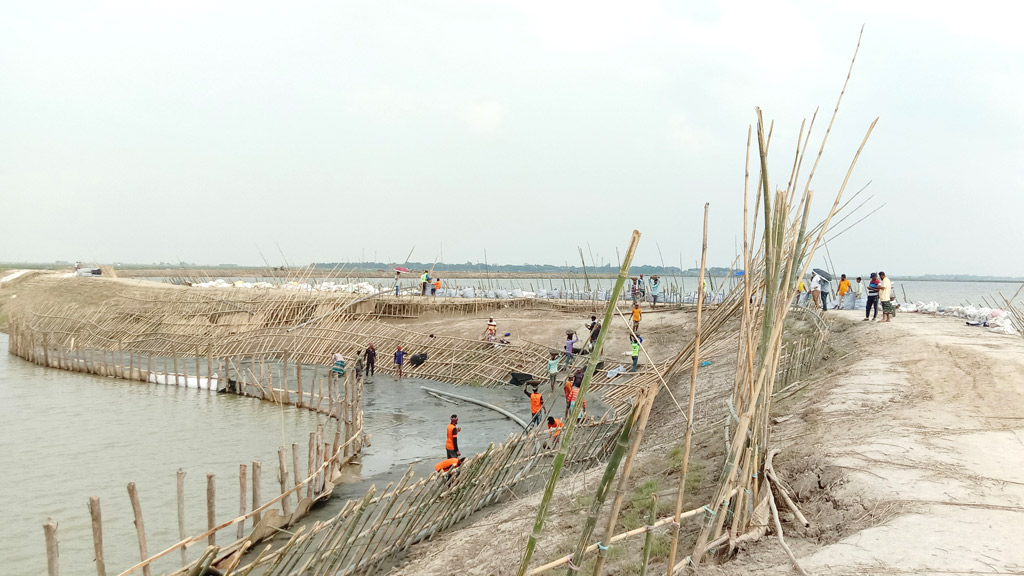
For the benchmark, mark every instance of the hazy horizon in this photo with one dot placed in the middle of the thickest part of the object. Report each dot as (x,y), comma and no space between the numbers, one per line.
(211,132)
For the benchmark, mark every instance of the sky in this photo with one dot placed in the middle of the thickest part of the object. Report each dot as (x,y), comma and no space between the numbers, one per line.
(237,131)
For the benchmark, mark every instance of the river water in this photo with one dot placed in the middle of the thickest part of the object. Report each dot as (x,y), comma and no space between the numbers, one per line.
(67,436)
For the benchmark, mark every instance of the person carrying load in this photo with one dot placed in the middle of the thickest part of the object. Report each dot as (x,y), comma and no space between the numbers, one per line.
(536,403)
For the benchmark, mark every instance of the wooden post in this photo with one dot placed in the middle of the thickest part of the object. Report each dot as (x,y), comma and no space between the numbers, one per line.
(309,464)
(298,378)
(241,500)
(282,473)
(97,535)
(197,368)
(52,553)
(295,472)
(140,528)
(181,514)
(211,504)
(256,491)
(209,364)
(175,357)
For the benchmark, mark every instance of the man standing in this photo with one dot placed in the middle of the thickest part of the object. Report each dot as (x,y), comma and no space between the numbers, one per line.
(655,290)
(636,317)
(885,296)
(370,355)
(858,290)
(536,405)
(595,330)
(816,288)
(634,350)
(872,298)
(451,445)
(399,361)
(424,280)
(844,287)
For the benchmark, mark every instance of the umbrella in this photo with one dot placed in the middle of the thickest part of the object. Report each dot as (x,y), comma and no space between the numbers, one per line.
(823,274)
(400,269)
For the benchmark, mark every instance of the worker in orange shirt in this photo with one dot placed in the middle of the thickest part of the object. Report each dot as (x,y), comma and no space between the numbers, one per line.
(536,404)
(448,464)
(451,445)
(435,287)
(636,317)
(554,426)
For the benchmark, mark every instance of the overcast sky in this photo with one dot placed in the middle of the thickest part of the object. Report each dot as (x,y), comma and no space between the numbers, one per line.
(207,131)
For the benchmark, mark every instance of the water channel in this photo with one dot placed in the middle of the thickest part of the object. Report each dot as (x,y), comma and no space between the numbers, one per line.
(67,436)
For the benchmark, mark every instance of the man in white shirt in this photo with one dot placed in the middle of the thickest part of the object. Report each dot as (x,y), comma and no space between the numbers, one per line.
(816,289)
(885,297)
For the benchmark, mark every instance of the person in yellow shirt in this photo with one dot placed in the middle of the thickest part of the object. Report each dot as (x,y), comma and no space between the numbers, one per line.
(844,289)
(885,298)
(636,317)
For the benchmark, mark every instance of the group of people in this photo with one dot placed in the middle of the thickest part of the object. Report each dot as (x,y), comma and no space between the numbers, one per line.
(426,283)
(639,290)
(878,290)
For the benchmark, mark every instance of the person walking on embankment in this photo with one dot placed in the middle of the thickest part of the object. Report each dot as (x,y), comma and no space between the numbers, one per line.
(553,369)
(595,330)
(451,444)
(536,404)
(637,314)
(872,298)
(634,350)
(370,355)
(399,361)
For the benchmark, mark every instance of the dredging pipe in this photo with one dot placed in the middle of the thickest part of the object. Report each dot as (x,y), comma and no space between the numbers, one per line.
(501,411)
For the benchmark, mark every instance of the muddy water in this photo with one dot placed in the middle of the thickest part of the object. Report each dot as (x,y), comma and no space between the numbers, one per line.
(66,436)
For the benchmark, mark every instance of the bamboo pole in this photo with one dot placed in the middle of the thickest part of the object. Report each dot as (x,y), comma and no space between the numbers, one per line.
(693,392)
(295,472)
(282,475)
(564,445)
(52,551)
(256,476)
(97,535)
(181,515)
(649,535)
(211,508)
(140,527)
(240,533)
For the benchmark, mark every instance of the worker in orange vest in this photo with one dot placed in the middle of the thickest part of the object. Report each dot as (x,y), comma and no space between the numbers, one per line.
(452,443)
(554,426)
(446,465)
(536,403)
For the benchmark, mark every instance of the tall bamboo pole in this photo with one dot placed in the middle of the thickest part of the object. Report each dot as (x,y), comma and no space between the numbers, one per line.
(97,535)
(563,448)
(693,392)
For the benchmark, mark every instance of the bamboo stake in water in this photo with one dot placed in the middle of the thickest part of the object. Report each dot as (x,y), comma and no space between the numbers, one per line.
(211,501)
(97,535)
(52,552)
(241,500)
(181,515)
(693,392)
(140,527)
(563,448)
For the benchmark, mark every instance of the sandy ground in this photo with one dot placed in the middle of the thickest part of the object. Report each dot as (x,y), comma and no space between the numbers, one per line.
(923,417)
